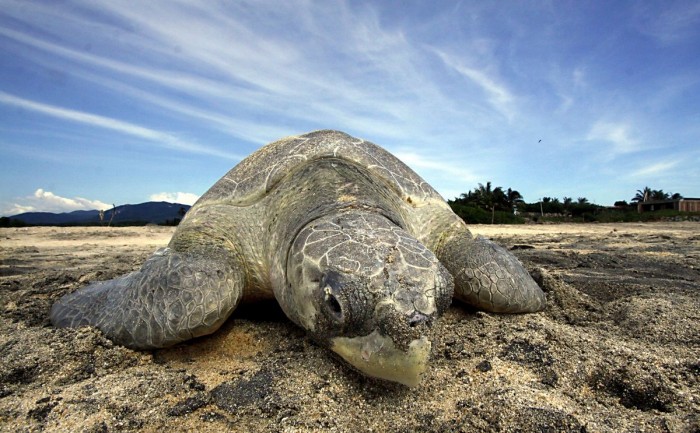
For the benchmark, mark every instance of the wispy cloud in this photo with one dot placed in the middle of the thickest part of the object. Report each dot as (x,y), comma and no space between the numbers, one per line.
(440,171)
(497,93)
(578,77)
(153,78)
(224,61)
(157,137)
(425,162)
(654,169)
(668,22)
(619,135)
(476,84)
(46,201)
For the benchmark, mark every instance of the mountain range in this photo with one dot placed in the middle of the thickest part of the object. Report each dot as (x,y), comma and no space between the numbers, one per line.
(137,214)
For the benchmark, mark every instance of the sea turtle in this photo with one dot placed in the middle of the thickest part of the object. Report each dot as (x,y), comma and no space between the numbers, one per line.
(356,248)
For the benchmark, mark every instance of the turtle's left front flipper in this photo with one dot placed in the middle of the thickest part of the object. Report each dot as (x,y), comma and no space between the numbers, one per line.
(175,296)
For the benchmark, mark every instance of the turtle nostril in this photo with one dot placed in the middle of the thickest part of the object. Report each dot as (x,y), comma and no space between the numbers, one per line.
(334,307)
(417,319)
(334,300)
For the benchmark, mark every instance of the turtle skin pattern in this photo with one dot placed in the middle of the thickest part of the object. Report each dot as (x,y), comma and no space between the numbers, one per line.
(173,297)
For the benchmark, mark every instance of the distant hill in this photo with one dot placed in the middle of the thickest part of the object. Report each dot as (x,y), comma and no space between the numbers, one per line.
(145,213)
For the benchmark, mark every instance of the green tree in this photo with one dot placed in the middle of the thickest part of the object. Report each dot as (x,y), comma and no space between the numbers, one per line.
(469,198)
(513,198)
(648,194)
(642,195)
(567,203)
(659,194)
(551,205)
(490,198)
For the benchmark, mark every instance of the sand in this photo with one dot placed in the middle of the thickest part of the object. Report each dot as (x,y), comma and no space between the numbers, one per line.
(617,348)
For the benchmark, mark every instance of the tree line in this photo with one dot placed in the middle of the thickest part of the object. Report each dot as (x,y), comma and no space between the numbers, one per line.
(489,204)
(648,194)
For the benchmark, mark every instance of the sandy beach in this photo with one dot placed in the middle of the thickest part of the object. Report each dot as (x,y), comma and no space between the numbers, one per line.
(616,350)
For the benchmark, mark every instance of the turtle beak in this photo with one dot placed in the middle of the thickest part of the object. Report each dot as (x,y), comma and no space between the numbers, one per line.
(397,350)
(376,355)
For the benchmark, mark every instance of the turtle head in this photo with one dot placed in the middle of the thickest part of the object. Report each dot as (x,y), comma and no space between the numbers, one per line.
(363,286)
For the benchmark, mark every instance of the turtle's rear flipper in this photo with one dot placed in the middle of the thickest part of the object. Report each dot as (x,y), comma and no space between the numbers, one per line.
(173,297)
(489,277)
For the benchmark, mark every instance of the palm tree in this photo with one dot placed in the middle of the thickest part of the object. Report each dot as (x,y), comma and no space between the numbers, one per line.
(566,204)
(468,198)
(642,195)
(659,194)
(513,198)
(490,198)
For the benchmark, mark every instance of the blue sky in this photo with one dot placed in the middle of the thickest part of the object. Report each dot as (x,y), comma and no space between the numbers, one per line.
(115,102)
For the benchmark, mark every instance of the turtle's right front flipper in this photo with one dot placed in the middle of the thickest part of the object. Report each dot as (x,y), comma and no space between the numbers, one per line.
(173,297)
(488,276)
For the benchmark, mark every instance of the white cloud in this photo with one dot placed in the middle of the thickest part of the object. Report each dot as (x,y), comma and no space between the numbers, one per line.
(425,163)
(195,85)
(654,169)
(578,77)
(617,134)
(668,22)
(438,172)
(175,197)
(127,128)
(16,208)
(497,93)
(46,201)
(440,83)
(227,59)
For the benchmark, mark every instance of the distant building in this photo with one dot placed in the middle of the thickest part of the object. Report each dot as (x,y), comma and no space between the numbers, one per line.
(680,204)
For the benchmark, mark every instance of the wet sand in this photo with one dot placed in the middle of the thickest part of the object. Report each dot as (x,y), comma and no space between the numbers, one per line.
(617,348)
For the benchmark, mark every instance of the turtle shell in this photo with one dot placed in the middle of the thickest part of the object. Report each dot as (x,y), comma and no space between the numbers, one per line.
(260,172)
